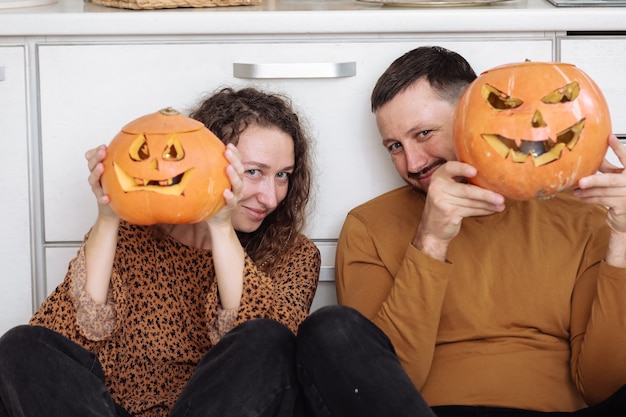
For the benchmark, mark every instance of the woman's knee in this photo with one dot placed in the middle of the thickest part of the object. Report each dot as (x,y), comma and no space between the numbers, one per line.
(36,346)
(258,346)
(334,325)
(264,331)
(19,339)
(18,347)
(261,338)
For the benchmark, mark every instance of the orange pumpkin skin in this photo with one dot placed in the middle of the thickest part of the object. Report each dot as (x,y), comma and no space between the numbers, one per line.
(165,168)
(532,129)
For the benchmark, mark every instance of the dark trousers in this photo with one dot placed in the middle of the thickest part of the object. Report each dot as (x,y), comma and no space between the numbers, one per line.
(345,367)
(362,377)
(250,372)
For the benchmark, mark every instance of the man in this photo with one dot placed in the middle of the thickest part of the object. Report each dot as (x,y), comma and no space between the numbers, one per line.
(491,307)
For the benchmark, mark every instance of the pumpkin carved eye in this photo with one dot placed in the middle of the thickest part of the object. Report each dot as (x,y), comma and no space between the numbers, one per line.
(499,100)
(173,150)
(564,94)
(138,150)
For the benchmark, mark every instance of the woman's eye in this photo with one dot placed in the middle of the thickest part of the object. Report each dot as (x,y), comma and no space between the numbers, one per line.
(283,175)
(252,172)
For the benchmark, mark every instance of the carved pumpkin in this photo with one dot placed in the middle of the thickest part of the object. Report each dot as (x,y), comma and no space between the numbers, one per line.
(165,168)
(532,129)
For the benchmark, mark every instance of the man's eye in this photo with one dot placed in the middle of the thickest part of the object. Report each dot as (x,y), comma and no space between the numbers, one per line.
(394,147)
(424,134)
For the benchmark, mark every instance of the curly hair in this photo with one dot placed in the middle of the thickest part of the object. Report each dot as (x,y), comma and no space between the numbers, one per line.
(227,113)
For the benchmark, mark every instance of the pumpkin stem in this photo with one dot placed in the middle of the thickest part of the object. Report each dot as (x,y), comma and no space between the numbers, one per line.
(169,111)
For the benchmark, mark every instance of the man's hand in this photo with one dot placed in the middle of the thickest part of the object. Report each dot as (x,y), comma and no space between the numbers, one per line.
(448,201)
(609,190)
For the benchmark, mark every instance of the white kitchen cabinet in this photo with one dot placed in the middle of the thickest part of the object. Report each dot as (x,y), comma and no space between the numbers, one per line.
(57,262)
(15,250)
(603,58)
(88,91)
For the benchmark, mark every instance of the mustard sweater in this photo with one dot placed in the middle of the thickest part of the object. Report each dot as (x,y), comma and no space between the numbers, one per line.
(524,314)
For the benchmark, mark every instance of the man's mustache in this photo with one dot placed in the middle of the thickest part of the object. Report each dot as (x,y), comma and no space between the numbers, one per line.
(418,175)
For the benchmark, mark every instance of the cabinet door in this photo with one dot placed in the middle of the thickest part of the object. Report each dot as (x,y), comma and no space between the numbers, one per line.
(604,60)
(88,92)
(15,255)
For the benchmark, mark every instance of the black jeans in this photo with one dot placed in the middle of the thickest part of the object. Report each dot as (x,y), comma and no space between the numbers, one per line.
(345,367)
(362,377)
(250,372)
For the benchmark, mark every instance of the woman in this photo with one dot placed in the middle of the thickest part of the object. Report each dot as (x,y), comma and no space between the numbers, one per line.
(192,319)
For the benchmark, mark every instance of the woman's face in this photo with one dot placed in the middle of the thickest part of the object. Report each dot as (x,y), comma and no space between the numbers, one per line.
(267,156)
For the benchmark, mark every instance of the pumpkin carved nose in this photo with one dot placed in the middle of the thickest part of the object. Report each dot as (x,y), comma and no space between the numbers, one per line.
(537,120)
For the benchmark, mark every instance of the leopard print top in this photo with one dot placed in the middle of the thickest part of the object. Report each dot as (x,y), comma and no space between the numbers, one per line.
(163,310)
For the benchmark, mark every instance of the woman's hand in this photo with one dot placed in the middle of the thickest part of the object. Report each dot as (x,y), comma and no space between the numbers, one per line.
(96,168)
(232,195)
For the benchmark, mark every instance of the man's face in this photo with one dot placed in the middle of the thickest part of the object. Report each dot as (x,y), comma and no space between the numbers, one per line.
(416,129)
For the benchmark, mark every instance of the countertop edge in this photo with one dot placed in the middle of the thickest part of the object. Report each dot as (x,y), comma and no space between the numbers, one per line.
(366,20)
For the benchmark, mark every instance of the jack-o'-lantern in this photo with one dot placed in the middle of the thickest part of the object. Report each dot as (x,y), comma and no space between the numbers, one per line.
(532,129)
(165,168)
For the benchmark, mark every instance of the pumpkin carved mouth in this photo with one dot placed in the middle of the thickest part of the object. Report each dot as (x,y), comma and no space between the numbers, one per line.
(169,186)
(542,152)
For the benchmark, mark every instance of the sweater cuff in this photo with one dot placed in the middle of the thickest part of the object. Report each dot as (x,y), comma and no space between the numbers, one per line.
(612,272)
(96,321)
(223,324)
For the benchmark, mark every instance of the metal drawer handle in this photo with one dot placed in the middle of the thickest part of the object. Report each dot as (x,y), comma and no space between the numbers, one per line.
(295,70)
(2,74)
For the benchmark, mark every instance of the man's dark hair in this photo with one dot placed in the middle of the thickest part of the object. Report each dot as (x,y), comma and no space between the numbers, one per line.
(447,72)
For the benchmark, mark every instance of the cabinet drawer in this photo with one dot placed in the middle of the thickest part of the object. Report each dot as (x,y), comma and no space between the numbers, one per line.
(604,60)
(89,91)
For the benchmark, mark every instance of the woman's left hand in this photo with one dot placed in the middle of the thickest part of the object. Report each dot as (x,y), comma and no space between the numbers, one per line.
(232,195)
